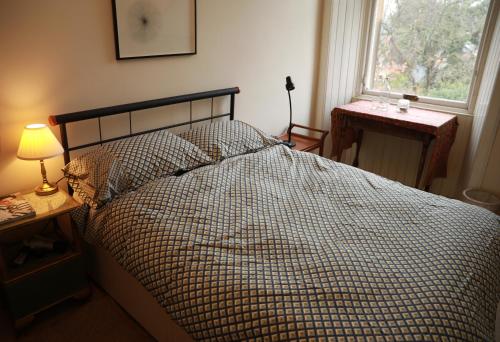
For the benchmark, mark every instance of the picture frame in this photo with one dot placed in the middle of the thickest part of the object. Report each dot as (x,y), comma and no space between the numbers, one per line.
(154,28)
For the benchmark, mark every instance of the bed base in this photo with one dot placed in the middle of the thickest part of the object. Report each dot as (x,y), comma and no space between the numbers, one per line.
(139,303)
(132,296)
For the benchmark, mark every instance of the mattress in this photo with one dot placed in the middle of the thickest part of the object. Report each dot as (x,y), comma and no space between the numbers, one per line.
(286,245)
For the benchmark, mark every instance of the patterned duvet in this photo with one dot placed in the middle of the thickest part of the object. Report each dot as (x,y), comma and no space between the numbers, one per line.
(285,245)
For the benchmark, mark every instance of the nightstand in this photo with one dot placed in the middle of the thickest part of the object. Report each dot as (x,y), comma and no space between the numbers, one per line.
(46,278)
(307,143)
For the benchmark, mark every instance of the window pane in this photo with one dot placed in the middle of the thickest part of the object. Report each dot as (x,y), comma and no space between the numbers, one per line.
(429,47)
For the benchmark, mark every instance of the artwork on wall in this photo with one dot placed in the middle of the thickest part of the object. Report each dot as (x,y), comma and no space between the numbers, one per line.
(154,28)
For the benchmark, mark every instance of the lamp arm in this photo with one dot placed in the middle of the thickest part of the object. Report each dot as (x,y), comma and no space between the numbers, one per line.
(290,124)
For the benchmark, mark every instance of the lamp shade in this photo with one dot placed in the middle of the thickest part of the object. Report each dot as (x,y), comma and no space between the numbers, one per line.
(37,143)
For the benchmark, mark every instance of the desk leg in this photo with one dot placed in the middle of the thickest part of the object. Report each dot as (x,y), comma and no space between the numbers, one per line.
(339,154)
(339,144)
(359,140)
(425,146)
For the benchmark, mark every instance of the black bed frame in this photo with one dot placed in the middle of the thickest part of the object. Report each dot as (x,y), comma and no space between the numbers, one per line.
(98,113)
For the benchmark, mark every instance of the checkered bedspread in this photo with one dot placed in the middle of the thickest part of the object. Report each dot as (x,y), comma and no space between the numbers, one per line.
(285,245)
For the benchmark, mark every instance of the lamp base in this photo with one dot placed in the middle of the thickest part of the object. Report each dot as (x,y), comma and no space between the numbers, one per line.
(290,143)
(46,189)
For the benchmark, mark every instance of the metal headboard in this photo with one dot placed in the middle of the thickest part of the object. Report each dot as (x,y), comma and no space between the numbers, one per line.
(98,113)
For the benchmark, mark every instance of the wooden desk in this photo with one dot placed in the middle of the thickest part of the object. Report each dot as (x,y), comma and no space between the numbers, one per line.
(351,120)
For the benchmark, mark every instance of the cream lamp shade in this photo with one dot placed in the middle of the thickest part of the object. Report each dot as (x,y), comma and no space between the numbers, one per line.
(38,143)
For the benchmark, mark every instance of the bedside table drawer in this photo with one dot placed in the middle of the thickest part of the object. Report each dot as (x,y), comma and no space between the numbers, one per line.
(43,289)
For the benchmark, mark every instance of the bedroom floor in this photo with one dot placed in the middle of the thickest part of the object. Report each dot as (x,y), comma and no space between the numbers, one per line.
(97,319)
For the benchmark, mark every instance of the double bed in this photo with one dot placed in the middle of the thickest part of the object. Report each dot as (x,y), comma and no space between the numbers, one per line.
(249,240)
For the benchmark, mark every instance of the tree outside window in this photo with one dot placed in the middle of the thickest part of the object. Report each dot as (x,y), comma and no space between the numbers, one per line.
(429,47)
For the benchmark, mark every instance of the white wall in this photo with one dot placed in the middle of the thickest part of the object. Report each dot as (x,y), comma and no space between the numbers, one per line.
(491,180)
(341,54)
(58,56)
(486,115)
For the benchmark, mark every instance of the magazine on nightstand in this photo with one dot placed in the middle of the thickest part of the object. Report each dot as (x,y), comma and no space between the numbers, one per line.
(14,208)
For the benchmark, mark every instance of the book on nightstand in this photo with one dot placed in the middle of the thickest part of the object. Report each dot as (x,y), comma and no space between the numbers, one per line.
(14,208)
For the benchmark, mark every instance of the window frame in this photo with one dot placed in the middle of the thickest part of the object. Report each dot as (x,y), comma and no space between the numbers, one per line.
(370,52)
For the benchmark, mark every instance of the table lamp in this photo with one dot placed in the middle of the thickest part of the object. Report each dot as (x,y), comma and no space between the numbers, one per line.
(289,87)
(39,143)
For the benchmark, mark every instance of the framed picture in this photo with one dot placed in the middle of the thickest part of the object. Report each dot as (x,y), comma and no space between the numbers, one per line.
(154,28)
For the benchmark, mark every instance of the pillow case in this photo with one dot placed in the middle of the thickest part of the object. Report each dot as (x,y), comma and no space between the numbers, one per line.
(96,177)
(111,169)
(225,139)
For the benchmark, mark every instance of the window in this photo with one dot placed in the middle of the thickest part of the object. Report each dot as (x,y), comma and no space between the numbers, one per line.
(428,48)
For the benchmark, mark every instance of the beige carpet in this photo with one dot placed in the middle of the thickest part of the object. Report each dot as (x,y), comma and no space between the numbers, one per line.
(96,319)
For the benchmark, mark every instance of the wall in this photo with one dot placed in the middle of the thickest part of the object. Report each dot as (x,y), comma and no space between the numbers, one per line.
(341,54)
(491,180)
(58,56)
(486,115)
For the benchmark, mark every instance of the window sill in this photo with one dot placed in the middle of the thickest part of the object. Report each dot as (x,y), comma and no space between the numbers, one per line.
(437,108)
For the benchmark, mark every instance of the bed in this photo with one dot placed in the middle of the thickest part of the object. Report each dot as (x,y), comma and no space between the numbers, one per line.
(266,243)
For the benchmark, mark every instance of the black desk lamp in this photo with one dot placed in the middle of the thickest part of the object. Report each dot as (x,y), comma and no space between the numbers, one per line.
(289,87)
